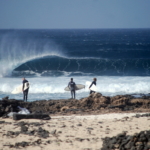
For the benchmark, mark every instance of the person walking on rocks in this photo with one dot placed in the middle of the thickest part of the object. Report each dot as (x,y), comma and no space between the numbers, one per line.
(71,86)
(94,82)
(25,89)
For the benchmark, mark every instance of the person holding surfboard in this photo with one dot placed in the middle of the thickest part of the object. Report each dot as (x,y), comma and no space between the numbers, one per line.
(94,82)
(25,89)
(71,86)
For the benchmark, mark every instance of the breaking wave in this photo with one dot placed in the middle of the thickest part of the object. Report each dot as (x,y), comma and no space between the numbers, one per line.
(57,66)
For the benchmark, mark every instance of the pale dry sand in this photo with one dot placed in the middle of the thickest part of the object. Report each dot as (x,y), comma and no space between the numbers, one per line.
(74,132)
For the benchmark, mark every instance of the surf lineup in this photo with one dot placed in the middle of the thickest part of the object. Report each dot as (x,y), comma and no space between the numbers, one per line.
(72,87)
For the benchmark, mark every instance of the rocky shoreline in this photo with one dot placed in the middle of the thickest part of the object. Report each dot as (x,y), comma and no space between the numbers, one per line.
(96,122)
(93,104)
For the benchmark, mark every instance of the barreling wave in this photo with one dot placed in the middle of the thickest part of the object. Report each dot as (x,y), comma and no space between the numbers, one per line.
(74,52)
(58,66)
(19,48)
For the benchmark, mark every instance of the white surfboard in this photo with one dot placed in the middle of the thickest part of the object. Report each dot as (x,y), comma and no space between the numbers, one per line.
(93,87)
(18,89)
(78,87)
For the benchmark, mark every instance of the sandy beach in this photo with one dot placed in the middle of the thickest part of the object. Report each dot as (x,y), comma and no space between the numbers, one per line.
(74,132)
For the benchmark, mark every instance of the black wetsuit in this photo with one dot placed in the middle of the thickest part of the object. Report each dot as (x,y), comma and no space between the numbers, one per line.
(94,82)
(25,92)
(71,85)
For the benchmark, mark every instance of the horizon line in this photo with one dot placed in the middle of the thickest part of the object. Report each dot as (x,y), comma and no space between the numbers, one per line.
(65,28)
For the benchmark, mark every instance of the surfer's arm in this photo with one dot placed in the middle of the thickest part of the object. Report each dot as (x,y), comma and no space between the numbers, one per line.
(91,84)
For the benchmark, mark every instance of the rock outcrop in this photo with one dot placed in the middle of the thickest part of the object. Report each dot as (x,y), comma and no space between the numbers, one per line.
(94,102)
(138,141)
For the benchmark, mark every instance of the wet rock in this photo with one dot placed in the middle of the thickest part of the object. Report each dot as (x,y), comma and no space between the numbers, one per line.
(5,98)
(31,116)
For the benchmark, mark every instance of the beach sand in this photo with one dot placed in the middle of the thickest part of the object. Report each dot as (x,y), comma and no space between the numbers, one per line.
(74,132)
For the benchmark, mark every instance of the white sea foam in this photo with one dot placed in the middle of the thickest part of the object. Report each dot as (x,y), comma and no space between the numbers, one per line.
(53,87)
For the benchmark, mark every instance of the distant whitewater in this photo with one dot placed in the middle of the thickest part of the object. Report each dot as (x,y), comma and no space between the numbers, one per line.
(120,56)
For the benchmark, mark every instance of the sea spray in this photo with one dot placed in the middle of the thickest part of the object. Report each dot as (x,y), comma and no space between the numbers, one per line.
(17,49)
(75,52)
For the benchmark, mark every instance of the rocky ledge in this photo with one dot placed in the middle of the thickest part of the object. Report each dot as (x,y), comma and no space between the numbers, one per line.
(93,104)
(138,141)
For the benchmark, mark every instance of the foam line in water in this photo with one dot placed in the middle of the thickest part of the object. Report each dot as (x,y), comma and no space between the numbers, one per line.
(105,85)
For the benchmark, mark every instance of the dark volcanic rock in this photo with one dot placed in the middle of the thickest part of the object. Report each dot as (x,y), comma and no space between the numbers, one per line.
(1,122)
(22,144)
(11,133)
(5,98)
(138,141)
(42,133)
(22,123)
(24,128)
(31,116)
(142,115)
(94,102)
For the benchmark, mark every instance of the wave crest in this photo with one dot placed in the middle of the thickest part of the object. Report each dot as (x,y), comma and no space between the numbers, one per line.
(58,66)
(17,49)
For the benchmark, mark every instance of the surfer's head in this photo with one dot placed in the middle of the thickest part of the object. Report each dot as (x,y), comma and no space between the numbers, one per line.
(94,79)
(23,78)
(71,79)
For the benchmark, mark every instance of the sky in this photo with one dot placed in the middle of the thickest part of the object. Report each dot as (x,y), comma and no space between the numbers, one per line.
(74,14)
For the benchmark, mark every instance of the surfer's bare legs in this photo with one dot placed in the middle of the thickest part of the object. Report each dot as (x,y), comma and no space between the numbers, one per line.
(73,93)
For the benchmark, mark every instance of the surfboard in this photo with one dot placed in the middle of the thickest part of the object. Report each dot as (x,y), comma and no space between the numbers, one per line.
(18,89)
(93,87)
(78,87)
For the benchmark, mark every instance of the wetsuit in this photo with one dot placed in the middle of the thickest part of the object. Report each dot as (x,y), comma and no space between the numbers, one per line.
(94,82)
(25,92)
(71,86)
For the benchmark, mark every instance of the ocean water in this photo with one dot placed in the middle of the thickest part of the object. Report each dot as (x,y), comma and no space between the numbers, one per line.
(118,58)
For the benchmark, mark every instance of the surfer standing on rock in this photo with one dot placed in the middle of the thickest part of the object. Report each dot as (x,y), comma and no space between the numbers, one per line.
(71,86)
(25,89)
(94,82)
